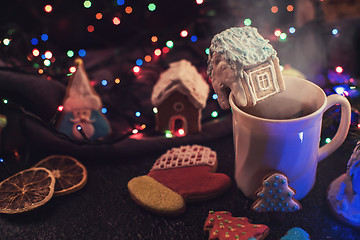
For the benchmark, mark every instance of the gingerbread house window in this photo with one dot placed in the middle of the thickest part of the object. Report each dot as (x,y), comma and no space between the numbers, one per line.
(263,81)
(178,106)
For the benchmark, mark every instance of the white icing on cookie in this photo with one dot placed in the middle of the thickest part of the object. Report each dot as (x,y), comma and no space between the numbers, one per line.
(185,156)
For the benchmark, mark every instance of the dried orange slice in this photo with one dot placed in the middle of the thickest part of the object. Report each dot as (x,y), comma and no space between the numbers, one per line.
(69,173)
(26,190)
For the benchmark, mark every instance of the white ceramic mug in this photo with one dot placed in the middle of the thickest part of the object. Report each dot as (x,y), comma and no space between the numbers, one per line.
(282,133)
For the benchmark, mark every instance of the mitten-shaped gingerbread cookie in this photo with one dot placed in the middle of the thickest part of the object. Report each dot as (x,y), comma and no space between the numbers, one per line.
(184,174)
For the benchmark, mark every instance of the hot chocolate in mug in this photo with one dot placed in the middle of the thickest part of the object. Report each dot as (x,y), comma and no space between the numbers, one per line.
(282,134)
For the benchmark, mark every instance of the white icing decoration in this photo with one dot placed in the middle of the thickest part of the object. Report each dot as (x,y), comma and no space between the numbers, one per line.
(185,156)
(243,45)
(181,76)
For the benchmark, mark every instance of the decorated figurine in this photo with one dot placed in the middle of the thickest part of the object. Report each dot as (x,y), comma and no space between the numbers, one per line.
(81,113)
(243,62)
(276,196)
(344,192)
(179,95)
(221,225)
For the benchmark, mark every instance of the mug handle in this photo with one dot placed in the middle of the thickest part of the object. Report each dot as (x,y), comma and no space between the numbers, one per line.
(344,125)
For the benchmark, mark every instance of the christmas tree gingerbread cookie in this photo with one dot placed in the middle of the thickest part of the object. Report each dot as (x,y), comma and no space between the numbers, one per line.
(81,116)
(222,225)
(276,196)
(182,174)
(296,233)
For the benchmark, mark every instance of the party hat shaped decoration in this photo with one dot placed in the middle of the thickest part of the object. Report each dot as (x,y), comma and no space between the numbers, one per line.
(80,94)
(81,114)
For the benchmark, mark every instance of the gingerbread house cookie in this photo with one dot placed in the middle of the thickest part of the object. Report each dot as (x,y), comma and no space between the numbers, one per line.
(243,62)
(179,95)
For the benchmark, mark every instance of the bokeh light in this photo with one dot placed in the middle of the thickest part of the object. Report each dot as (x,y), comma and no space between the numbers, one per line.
(283,36)
(35,52)
(48,8)
(99,16)
(339,69)
(44,37)
(165,49)
(207,51)
(87,4)
(70,53)
(34,41)
(277,32)
(194,38)
(136,69)
(120,2)
(184,33)
(157,52)
(139,62)
(128,10)
(151,7)
(90,28)
(116,20)
(154,39)
(247,22)
(170,44)
(274,9)
(47,62)
(214,114)
(290,8)
(48,54)
(82,52)
(147,58)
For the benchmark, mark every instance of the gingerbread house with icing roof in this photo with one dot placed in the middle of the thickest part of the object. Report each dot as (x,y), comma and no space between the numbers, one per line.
(179,95)
(253,61)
